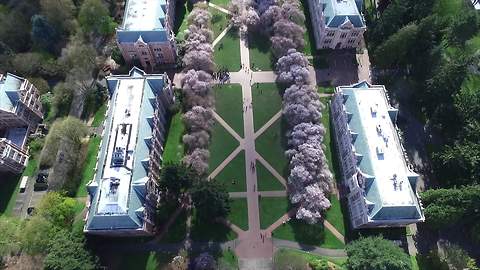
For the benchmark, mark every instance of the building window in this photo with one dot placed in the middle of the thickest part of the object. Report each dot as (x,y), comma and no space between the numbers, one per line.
(144,53)
(343,35)
(351,41)
(354,34)
(330,34)
(328,41)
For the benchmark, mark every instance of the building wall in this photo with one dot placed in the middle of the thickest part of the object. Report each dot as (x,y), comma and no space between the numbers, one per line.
(148,55)
(332,38)
(12,158)
(343,141)
(153,54)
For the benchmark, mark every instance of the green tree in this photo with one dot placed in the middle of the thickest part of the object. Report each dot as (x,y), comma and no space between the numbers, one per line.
(94,17)
(10,231)
(57,209)
(176,179)
(43,34)
(401,43)
(376,253)
(68,252)
(60,14)
(15,30)
(41,84)
(211,200)
(69,128)
(61,100)
(446,207)
(37,234)
(462,27)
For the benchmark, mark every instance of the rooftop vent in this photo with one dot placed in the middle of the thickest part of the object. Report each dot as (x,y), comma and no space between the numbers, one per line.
(118,157)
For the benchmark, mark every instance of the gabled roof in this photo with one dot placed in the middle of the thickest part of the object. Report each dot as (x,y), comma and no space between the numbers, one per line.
(120,210)
(145,19)
(340,12)
(381,161)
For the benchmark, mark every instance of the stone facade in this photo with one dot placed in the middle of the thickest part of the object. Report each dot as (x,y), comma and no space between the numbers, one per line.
(337,24)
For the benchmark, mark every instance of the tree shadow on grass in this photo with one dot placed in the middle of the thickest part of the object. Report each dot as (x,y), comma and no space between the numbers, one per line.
(263,44)
(308,234)
(209,231)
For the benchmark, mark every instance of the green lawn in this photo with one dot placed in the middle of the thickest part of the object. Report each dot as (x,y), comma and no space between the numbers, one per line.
(204,232)
(271,146)
(271,209)
(99,116)
(178,230)
(265,180)
(228,259)
(173,150)
(301,232)
(261,57)
(233,175)
(219,21)
(266,102)
(325,90)
(328,140)
(222,3)
(239,213)
(222,144)
(334,215)
(227,52)
(228,104)
(338,262)
(11,183)
(308,36)
(89,166)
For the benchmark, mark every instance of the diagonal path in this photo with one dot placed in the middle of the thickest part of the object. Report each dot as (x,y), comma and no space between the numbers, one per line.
(268,124)
(222,34)
(272,170)
(226,126)
(219,8)
(225,162)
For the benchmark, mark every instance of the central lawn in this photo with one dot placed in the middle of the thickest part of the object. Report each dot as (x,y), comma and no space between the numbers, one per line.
(219,21)
(205,231)
(334,215)
(271,145)
(233,175)
(265,180)
(271,209)
(239,213)
(227,52)
(304,233)
(261,57)
(174,149)
(266,102)
(228,104)
(222,144)
(89,166)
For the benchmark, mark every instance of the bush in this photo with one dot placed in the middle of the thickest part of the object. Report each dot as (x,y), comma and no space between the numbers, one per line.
(41,84)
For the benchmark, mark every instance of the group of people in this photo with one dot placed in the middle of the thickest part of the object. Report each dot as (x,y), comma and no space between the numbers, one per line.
(223,76)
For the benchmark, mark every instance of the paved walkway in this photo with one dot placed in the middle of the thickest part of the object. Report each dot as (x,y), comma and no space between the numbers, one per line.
(251,244)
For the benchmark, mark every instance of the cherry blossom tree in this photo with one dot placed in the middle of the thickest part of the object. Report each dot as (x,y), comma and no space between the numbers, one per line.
(198,119)
(243,13)
(293,68)
(198,160)
(197,87)
(301,104)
